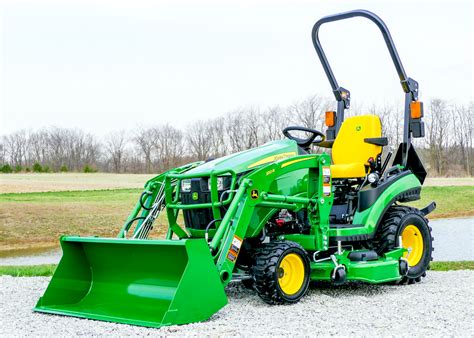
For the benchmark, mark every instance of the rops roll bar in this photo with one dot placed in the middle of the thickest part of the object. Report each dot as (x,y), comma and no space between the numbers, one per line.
(409,86)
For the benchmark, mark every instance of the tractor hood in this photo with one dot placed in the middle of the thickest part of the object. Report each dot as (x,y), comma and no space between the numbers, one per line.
(250,159)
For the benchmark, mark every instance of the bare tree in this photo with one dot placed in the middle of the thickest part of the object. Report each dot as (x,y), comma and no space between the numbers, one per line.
(464,133)
(216,134)
(275,120)
(115,143)
(234,127)
(17,147)
(3,152)
(309,112)
(145,141)
(169,145)
(438,138)
(57,148)
(252,126)
(198,141)
(38,147)
(447,147)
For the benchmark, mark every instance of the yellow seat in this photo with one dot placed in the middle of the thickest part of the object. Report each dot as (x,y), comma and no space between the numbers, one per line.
(350,153)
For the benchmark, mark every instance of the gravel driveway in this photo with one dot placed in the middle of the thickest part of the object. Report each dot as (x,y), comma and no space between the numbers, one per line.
(441,305)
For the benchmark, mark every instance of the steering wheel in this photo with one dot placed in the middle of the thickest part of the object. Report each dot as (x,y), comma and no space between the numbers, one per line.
(304,143)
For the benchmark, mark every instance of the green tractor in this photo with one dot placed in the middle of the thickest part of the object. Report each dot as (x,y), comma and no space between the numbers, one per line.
(275,218)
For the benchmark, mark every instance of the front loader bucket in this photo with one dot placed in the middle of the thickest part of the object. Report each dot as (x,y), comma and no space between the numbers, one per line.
(141,282)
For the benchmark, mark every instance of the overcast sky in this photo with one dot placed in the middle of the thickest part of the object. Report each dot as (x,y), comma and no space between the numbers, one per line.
(104,65)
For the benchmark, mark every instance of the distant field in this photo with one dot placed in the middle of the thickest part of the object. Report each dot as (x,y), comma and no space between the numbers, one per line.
(34,220)
(451,201)
(449,181)
(16,183)
(38,219)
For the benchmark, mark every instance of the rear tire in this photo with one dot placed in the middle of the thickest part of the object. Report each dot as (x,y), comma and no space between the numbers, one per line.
(281,272)
(411,224)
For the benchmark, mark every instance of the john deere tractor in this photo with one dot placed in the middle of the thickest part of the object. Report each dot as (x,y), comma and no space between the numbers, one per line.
(274,218)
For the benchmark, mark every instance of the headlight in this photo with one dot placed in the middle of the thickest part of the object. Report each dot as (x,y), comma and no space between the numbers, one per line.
(220,184)
(186,185)
(373,177)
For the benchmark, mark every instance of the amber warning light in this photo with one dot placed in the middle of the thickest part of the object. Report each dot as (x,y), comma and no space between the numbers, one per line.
(330,118)
(416,109)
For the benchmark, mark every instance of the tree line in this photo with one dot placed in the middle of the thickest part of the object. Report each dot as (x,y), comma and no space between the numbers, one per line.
(446,150)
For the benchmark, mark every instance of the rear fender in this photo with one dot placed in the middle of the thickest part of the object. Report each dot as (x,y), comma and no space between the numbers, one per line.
(372,216)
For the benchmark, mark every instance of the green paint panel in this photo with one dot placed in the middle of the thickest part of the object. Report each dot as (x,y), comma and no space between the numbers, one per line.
(385,269)
(142,282)
(251,158)
(370,217)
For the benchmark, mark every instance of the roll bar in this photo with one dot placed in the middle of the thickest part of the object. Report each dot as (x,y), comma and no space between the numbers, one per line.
(409,86)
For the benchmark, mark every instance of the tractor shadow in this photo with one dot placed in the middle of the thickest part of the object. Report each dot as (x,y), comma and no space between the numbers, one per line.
(350,289)
(236,290)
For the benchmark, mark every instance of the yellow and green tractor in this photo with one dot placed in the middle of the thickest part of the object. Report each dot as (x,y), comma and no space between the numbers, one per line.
(273,218)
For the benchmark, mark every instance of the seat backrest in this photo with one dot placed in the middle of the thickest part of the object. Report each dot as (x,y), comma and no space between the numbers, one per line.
(349,145)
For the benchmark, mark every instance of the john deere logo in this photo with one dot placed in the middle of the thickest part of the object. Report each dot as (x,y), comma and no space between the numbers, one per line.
(195,196)
(254,194)
(358,128)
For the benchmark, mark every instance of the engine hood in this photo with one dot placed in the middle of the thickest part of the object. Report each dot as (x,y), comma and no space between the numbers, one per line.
(250,159)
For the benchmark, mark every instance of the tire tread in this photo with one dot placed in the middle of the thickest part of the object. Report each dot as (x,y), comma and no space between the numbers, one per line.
(263,271)
(386,236)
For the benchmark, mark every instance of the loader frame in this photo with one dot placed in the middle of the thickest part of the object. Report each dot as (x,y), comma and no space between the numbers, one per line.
(258,197)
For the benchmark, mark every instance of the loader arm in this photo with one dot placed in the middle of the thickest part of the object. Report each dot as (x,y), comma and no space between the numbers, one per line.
(150,194)
(257,190)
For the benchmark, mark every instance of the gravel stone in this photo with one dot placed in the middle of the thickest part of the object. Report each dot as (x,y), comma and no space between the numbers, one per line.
(442,305)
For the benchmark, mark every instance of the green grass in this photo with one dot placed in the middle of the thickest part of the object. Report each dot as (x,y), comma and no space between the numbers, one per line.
(450,201)
(33,220)
(110,195)
(38,219)
(48,269)
(447,266)
(28,270)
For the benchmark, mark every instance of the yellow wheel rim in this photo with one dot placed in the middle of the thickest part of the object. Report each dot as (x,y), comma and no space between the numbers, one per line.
(291,274)
(412,240)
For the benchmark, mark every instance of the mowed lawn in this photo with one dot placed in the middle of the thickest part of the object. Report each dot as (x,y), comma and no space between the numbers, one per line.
(34,220)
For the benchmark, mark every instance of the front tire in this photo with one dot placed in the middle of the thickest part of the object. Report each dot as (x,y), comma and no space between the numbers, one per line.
(281,272)
(411,225)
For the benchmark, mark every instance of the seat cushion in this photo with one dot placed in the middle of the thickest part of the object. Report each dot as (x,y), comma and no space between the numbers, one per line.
(350,146)
(351,170)
(350,151)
